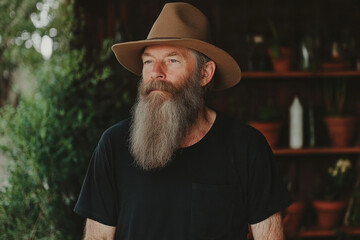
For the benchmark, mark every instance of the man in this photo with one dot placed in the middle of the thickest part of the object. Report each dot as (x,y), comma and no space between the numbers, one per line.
(177,169)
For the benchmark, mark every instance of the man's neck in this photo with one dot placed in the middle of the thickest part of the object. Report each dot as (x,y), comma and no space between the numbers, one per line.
(200,128)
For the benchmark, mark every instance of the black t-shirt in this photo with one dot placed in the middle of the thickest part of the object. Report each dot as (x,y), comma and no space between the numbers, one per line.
(210,190)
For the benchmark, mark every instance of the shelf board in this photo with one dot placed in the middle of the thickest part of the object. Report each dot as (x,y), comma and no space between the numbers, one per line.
(316,232)
(310,151)
(300,74)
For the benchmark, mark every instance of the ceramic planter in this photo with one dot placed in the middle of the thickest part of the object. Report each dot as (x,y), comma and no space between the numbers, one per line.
(341,130)
(293,218)
(281,63)
(329,213)
(269,129)
(335,65)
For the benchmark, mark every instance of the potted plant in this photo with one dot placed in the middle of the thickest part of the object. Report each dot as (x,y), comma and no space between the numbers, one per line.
(294,213)
(352,216)
(280,55)
(293,217)
(267,123)
(340,125)
(336,60)
(332,199)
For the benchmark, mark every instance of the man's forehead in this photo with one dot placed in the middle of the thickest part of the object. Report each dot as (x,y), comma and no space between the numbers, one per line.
(167,49)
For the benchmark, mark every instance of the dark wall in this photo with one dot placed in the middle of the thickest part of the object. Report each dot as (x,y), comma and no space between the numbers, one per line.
(234,22)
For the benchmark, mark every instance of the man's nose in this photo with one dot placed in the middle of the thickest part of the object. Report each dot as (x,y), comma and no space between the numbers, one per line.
(158,71)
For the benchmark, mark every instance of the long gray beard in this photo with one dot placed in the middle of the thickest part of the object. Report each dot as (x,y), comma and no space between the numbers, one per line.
(159,124)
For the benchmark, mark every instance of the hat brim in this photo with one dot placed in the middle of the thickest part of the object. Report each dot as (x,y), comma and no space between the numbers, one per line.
(227,72)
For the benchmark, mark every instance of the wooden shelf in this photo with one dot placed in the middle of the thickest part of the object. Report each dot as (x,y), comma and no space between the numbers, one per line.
(316,232)
(313,151)
(300,74)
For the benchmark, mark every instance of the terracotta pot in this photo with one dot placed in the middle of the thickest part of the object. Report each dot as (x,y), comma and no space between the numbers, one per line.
(269,129)
(328,213)
(293,218)
(335,65)
(341,130)
(282,63)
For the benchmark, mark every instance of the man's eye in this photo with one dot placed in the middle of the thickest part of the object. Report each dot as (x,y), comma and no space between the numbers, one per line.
(173,60)
(147,61)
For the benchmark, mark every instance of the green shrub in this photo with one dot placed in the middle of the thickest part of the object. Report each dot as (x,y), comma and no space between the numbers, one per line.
(50,136)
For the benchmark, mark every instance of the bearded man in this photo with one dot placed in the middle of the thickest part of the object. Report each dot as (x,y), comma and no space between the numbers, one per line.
(177,169)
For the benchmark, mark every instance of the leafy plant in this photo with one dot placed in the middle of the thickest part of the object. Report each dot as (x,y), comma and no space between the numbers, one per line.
(275,42)
(267,112)
(20,37)
(354,203)
(49,137)
(337,181)
(335,96)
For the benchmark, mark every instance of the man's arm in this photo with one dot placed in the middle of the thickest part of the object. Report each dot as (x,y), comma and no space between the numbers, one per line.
(271,228)
(98,231)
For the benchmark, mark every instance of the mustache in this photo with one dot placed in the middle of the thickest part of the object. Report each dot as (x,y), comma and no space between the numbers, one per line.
(160,85)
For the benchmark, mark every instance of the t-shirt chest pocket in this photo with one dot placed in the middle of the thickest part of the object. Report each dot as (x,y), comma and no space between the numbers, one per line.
(212,210)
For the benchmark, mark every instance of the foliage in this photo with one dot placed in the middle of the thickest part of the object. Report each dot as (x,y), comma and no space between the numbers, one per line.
(50,136)
(335,96)
(267,112)
(11,24)
(275,42)
(20,38)
(354,216)
(355,213)
(337,180)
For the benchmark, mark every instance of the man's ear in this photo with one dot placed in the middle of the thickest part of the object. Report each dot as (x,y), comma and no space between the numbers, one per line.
(207,72)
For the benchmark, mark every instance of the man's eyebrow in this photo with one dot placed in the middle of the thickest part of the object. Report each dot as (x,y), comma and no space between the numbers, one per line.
(171,54)
(145,54)
(174,53)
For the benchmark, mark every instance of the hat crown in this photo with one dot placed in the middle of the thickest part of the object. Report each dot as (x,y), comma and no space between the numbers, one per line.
(180,20)
(181,24)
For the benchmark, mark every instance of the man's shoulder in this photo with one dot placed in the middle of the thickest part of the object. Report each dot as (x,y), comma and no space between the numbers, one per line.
(237,127)
(238,132)
(117,132)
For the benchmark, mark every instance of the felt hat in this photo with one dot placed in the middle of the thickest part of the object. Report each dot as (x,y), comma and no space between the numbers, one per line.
(181,24)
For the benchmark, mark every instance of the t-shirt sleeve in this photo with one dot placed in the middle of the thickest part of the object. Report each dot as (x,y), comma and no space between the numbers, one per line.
(266,191)
(97,199)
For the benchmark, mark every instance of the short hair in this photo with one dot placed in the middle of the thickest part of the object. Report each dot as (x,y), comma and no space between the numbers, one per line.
(201,60)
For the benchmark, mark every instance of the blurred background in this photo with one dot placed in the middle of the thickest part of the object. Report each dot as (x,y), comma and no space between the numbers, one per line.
(61,87)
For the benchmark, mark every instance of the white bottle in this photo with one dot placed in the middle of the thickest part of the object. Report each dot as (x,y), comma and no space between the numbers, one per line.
(296,124)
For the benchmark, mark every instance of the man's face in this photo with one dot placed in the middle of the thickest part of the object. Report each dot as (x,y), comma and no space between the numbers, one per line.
(171,64)
(169,101)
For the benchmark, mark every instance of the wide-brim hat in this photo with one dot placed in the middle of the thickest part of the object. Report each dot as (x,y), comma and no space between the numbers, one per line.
(181,24)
